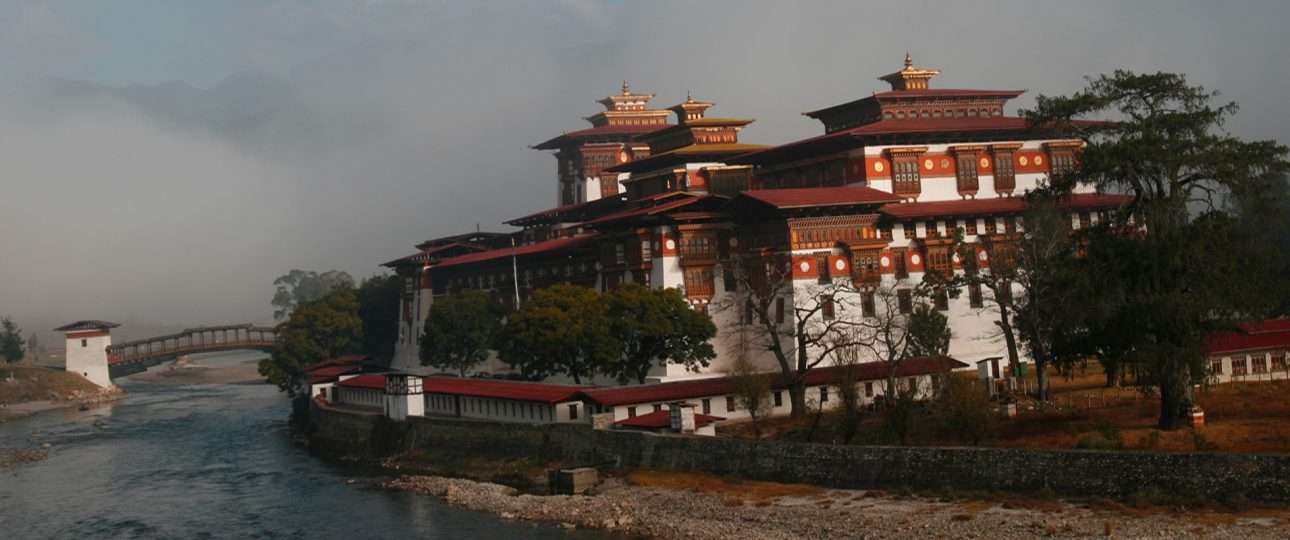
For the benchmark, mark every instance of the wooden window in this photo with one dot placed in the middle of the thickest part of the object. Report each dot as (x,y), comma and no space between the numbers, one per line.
(573,411)
(941,299)
(707,406)
(967,173)
(990,225)
(826,307)
(905,299)
(1279,361)
(902,270)
(970,229)
(1239,367)
(1216,366)
(868,307)
(1061,162)
(885,233)
(779,398)
(631,412)
(824,394)
(865,266)
(658,407)
(1009,225)
(730,404)
(910,230)
(974,295)
(728,281)
(1259,363)
(905,176)
(938,260)
(779,310)
(868,389)
(699,281)
(1085,220)
(1005,175)
(823,269)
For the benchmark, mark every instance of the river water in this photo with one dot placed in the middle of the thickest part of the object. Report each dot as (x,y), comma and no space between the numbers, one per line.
(209,461)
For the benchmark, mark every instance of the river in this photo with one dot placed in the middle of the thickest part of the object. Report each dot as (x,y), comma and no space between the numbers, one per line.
(209,461)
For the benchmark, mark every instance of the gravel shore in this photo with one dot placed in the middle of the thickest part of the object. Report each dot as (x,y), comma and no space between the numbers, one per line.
(668,513)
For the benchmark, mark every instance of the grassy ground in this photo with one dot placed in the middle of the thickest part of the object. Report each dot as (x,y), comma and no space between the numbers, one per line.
(38,383)
(1240,417)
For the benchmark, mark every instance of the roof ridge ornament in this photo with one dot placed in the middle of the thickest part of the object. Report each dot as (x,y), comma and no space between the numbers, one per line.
(910,77)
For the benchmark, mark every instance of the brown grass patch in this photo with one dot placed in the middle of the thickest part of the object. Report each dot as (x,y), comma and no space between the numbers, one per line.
(759,493)
(38,383)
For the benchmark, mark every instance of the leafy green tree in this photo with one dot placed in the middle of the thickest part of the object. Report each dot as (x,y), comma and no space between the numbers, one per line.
(656,327)
(299,286)
(561,329)
(12,346)
(318,330)
(929,332)
(460,331)
(378,307)
(1165,146)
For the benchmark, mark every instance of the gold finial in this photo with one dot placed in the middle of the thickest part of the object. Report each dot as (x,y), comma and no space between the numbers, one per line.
(627,90)
(688,98)
(909,61)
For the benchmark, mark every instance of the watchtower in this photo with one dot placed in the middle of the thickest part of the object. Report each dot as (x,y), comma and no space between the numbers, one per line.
(87,344)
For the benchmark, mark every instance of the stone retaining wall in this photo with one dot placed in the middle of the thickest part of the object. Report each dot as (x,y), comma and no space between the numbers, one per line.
(1260,477)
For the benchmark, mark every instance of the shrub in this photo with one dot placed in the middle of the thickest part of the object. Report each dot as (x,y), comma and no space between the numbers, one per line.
(1098,441)
(963,412)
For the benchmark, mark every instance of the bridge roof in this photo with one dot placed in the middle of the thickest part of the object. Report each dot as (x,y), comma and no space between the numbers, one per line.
(92,324)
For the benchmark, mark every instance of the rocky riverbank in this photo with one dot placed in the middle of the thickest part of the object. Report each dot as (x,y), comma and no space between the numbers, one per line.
(12,457)
(763,512)
(82,399)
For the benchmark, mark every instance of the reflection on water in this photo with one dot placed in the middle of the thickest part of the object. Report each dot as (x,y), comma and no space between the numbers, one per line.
(207,462)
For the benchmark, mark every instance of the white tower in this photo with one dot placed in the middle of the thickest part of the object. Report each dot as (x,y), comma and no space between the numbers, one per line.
(403,396)
(87,344)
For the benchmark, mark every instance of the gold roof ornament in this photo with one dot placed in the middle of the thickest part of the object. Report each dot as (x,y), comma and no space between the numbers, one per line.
(910,78)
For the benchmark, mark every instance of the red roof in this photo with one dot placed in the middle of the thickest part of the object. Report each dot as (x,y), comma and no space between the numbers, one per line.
(663,419)
(600,132)
(717,386)
(820,196)
(330,373)
(1000,205)
(554,244)
(874,132)
(1271,334)
(375,381)
(646,211)
(515,390)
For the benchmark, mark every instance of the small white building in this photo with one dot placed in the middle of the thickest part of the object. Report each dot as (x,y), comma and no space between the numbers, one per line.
(1257,352)
(716,395)
(504,401)
(87,344)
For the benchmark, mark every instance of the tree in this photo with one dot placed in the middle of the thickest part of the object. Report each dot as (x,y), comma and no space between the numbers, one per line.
(299,286)
(318,330)
(995,282)
(12,346)
(963,411)
(929,332)
(801,327)
(851,400)
(655,327)
(378,308)
(890,333)
(561,329)
(1165,146)
(752,391)
(35,350)
(460,330)
(1050,308)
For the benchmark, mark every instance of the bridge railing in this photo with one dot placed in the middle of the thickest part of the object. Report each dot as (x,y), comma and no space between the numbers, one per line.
(193,340)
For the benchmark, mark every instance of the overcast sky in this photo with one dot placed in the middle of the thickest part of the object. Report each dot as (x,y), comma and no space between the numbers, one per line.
(163,161)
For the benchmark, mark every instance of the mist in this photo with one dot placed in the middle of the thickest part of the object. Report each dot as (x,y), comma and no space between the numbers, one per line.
(162,166)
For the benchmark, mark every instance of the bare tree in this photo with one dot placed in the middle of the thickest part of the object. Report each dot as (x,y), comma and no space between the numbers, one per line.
(801,325)
(848,387)
(994,281)
(887,333)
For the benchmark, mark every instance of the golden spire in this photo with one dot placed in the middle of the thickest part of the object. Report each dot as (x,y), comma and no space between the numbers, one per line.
(627,90)
(688,98)
(909,60)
